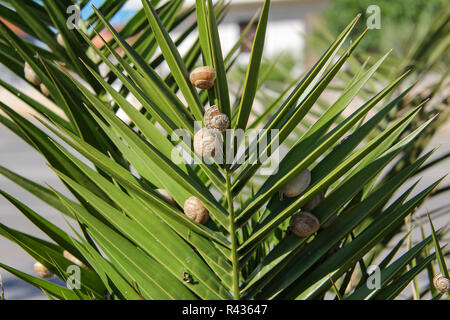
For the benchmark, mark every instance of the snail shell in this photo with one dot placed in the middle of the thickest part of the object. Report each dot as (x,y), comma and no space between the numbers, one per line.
(314,202)
(42,271)
(60,40)
(44,90)
(195,210)
(30,75)
(214,119)
(206,143)
(166,195)
(72,258)
(441,283)
(297,185)
(304,224)
(203,77)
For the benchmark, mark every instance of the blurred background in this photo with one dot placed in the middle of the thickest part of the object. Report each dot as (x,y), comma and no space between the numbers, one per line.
(299,30)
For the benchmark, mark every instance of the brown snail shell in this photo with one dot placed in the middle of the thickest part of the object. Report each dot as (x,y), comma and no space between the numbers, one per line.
(72,258)
(314,202)
(297,185)
(30,75)
(42,271)
(303,224)
(441,283)
(166,195)
(214,119)
(206,143)
(44,90)
(203,77)
(195,210)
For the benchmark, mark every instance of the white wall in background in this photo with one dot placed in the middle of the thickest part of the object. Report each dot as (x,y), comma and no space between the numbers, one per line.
(286,23)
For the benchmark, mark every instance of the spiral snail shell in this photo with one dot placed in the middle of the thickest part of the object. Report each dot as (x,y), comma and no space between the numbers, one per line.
(166,195)
(214,119)
(203,77)
(42,271)
(195,210)
(206,143)
(297,185)
(30,75)
(441,283)
(303,224)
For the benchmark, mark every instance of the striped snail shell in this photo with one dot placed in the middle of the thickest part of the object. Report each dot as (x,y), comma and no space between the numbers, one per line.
(214,119)
(206,143)
(441,283)
(203,77)
(195,210)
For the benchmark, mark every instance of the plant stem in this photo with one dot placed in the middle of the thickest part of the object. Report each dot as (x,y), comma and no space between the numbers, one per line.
(234,240)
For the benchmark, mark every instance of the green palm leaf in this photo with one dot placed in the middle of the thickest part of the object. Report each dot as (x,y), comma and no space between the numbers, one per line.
(136,243)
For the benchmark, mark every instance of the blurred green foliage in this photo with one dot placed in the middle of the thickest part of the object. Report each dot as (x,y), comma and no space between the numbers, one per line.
(399,20)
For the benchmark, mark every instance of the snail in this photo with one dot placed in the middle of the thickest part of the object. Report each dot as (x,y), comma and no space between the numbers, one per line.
(441,283)
(195,210)
(44,90)
(42,271)
(314,202)
(214,119)
(304,224)
(30,75)
(203,77)
(187,277)
(206,143)
(297,185)
(166,195)
(70,257)
(60,40)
